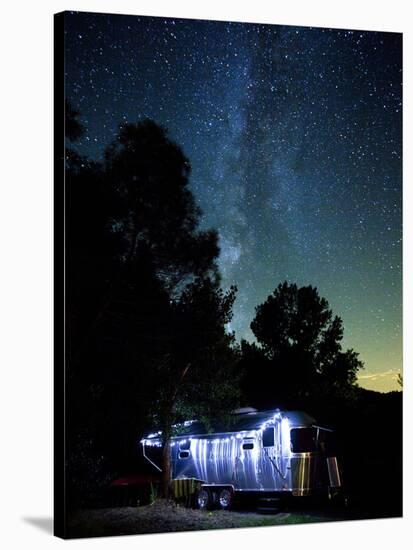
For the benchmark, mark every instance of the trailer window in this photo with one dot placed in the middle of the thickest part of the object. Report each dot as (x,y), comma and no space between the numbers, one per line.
(185,445)
(183,454)
(268,437)
(303,440)
(248,445)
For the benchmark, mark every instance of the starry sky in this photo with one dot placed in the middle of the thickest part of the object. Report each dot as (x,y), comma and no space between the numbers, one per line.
(294,138)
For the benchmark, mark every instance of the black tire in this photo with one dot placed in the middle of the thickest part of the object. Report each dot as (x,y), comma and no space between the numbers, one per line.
(339,500)
(204,499)
(225,498)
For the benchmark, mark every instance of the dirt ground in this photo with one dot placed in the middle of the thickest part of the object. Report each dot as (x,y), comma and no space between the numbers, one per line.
(165,516)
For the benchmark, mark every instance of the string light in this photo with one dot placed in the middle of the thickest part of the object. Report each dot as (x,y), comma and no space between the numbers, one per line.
(243,434)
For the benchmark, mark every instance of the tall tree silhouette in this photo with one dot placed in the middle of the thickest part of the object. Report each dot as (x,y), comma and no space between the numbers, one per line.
(145,307)
(300,341)
(159,219)
(151,175)
(197,377)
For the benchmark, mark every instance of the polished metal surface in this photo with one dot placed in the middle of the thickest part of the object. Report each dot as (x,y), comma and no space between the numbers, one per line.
(305,472)
(254,458)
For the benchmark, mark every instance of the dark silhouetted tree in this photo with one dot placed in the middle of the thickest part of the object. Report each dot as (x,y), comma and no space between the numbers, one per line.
(151,175)
(197,376)
(145,308)
(159,220)
(301,341)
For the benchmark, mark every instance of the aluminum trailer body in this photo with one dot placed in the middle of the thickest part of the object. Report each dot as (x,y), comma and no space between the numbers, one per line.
(264,452)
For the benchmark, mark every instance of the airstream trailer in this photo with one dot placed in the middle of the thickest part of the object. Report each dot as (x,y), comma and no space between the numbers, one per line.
(275,453)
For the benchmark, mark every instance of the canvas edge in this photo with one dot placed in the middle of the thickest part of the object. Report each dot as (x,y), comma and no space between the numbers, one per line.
(59,251)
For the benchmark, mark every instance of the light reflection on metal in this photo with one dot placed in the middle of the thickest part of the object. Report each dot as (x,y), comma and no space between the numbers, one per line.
(239,459)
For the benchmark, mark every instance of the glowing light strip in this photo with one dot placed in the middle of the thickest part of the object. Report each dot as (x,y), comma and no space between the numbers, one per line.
(272,421)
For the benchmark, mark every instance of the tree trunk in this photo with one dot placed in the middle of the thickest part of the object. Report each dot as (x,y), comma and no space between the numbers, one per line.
(166,468)
(167,432)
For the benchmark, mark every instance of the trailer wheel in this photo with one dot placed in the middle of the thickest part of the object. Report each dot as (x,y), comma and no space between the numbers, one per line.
(225,499)
(204,499)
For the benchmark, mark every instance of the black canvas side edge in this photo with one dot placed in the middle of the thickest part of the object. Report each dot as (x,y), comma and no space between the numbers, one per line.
(59,504)
(402,417)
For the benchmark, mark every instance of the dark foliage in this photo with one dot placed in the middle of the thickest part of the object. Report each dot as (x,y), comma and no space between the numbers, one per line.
(150,174)
(299,353)
(143,285)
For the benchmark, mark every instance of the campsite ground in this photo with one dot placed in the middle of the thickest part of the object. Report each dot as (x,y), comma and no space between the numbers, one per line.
(163,517)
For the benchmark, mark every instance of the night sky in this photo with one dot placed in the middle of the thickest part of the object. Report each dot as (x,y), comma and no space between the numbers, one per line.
(294,138)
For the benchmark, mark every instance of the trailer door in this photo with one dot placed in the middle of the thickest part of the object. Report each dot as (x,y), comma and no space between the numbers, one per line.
(270,456)
(247,464)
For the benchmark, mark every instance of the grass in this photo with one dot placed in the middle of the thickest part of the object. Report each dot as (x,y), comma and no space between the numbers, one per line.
(163,516)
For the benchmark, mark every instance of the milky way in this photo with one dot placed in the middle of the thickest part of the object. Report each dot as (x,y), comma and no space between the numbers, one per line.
(294,138)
